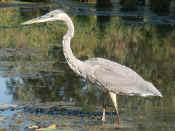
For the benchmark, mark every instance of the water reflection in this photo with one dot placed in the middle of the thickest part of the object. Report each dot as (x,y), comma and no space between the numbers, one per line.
(102,20)
(5,96)
(37,71)
(30,13)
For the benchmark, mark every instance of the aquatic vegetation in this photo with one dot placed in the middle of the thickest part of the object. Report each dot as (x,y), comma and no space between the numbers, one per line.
(31,58)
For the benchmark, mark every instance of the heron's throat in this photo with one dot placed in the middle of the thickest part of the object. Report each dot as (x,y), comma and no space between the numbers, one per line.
(70,26)
(75,64)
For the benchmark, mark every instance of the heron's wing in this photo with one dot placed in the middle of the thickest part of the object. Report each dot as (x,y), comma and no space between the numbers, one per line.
(115,77)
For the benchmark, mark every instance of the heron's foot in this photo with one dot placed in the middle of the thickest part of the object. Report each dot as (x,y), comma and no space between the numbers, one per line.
(118,123)
(118,126)
(103,117)
(118,120)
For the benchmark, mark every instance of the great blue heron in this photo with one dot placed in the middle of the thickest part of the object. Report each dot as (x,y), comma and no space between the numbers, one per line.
(109,76)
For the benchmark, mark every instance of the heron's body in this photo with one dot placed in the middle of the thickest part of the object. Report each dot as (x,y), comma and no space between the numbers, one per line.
(119,79)
(109,76)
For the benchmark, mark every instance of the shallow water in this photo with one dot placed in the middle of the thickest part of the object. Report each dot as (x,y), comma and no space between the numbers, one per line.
(38,87)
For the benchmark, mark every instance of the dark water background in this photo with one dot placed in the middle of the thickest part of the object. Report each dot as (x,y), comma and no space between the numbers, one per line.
(35,76)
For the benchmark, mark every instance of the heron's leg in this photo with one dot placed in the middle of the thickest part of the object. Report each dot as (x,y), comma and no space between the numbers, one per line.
(104,115)
(104,106)
(114,100)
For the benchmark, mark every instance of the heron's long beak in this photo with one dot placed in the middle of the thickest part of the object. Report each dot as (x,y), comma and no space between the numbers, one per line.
(43,18)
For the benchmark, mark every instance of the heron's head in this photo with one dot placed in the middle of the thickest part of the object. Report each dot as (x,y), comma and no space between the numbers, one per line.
(51,16)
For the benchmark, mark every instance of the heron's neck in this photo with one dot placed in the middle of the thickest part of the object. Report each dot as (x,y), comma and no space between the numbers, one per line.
(75,64)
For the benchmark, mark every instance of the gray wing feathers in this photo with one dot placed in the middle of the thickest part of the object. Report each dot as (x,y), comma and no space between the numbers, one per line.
(115,77)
